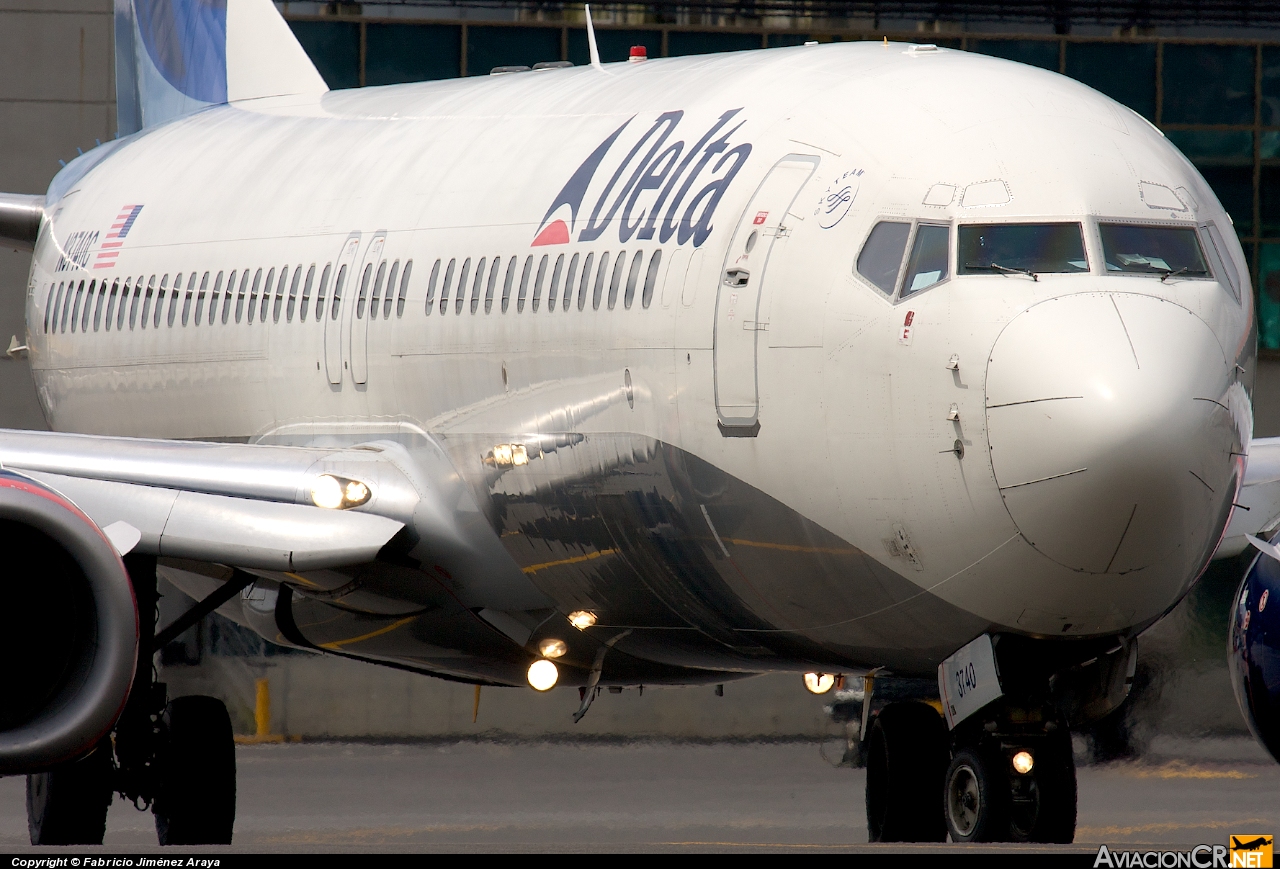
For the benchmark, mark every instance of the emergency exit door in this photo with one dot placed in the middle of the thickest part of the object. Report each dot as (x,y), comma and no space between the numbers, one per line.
(334,308)
(738,295)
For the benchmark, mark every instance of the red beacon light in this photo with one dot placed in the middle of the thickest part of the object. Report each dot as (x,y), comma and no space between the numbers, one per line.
(638,53)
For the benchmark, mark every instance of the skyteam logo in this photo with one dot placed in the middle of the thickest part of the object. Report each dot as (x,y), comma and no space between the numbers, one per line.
(663,186)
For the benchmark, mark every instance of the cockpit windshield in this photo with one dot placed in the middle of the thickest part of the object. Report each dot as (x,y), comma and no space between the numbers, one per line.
(1163,251)
(1028,248)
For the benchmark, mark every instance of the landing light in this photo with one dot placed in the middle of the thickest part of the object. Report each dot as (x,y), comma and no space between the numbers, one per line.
(338,493)
(581,619)
(552,648)
(1023,762)
(509,455)
(543,675)
(819,683)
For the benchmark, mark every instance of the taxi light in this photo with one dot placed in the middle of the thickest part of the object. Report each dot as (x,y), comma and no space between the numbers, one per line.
(543,675)
(502,454)
(552,648)
(819,683)
(1023,762)
(519,455)
(338,493)
(581,619)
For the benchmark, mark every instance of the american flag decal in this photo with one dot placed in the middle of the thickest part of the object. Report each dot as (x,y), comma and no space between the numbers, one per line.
(110,248)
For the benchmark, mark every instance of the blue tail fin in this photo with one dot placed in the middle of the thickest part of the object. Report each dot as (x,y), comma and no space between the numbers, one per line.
(174,57)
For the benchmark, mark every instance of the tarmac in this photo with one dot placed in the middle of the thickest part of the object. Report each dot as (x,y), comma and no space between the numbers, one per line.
(636,795)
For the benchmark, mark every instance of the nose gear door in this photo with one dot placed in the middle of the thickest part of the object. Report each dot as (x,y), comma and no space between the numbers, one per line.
(738,294)
(332,317)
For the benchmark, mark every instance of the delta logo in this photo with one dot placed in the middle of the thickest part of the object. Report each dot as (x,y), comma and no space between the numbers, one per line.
(662,184)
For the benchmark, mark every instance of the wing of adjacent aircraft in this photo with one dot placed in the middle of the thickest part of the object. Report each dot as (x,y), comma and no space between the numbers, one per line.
(1257,510)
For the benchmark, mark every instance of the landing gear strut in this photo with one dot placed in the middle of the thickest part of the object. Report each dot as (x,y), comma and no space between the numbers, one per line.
(176,756)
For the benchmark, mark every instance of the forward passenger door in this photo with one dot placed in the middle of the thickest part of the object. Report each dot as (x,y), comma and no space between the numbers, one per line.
(738,293)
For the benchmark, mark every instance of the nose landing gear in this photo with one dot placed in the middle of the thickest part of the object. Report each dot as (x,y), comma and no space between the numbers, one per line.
(1011,779)
(987,798)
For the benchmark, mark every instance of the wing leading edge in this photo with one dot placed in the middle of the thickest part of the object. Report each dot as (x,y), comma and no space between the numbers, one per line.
(237,504)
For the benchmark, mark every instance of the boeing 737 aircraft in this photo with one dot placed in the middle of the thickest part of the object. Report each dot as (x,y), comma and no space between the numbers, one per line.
(864,360)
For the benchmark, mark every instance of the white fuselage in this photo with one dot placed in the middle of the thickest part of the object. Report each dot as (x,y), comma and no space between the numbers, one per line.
(893,424)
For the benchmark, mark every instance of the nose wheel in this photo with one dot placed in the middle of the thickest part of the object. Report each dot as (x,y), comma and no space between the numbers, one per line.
(976,798)
(991,796)
(1016,786)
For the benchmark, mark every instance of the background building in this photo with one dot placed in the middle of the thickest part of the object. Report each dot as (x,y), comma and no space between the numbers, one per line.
(1205,72)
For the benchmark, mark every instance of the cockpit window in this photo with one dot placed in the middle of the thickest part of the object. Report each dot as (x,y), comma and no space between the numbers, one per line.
(928,263)
(881,259)
(1030,248)
(1163,251)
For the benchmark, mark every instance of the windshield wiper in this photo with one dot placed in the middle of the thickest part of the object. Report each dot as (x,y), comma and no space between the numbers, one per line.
(1008,270)
(1170,273)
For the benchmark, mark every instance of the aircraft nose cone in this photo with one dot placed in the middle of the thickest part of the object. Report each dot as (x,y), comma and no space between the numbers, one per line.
(1110,437)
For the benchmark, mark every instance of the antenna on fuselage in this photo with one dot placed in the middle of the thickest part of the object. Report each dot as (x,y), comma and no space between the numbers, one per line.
(591,40)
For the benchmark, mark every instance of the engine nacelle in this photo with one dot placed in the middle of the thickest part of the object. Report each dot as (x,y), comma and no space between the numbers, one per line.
(68,629)
(1253,650)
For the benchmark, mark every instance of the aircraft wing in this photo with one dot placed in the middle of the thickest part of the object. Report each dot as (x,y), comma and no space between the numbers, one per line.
(1258,504)
(245,505)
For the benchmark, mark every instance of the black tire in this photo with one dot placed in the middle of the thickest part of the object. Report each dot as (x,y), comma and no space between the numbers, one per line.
(196,798)
(975,798)
(68,805)
(1046,812)
(906,761)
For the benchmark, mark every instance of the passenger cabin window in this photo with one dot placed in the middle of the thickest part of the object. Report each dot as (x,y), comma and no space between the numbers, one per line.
(391,285)
(554,292)
(97,309)
(448,282)
(336,307)
(1161,251)
(306,293)
(651,278)
(213,299)
(111,302)
(569,283)
(598,292)
(616,280)
(404,287)
(320,293)
(633,279)
(537,284)
(928,264)
(1028,248)
(524,283)
(507,282)
(460,295)
(586,280)
(476,284)
(431,286)
(266,296)
(881,259)
(363,296)
(173,300)
(75,310)
(489,288)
